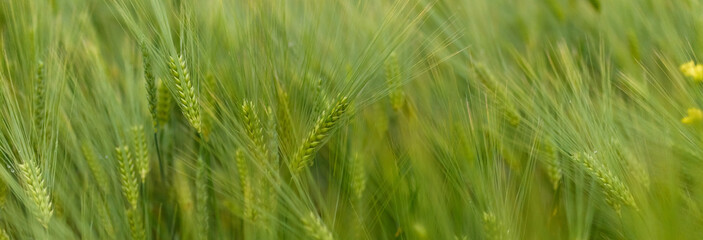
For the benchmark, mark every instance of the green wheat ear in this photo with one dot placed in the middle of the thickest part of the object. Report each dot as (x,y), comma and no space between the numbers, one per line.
(95,167)
(358,177)
(136,223)
(36,190)
(150,83)
(163,104)
(492,227)
(141,151)
(186,92)
(393,79)
(254,130)
(201,198)
(315,228)
(327,121)
(615,191)
(552,163)
(38,101)
(128,177)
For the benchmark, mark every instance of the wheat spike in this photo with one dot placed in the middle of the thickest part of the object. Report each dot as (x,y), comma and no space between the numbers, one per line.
(106,220)
(136,223)
(272,145)
(250,212)
(141,151)
(201,198)
(635,168)
(552,163)
(393,79)
(245,181)
(185,91)
(358,178)
(128,176)
(150,84)
(315,228)
(39,102)
(492,227)
(95,167)
(315,139)
(254,130)
(36,190)
(283,114)
(163,104)
(616,193)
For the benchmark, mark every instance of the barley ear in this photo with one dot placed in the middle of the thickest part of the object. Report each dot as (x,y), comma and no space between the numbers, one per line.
(201,198)
(615,191)
(150,84)
(552,163)
(136,223)
(358,177)
(318,135)
(141,151)
(632,164)
(128,176)
(36,190)
(163,104)
(247,191)
(38,101)
(393,79)
(95,168)
(185,92)
(283,114)
(492,227)
(315,228)
(105,219)
(254,130)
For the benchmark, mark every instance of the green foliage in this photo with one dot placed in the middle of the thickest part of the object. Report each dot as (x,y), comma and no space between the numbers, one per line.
(351,119)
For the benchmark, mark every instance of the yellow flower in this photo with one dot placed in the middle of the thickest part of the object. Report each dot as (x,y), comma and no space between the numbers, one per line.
(692,70)
(695,115)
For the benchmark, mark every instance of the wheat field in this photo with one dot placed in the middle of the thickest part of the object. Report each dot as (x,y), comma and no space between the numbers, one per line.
(351,119)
